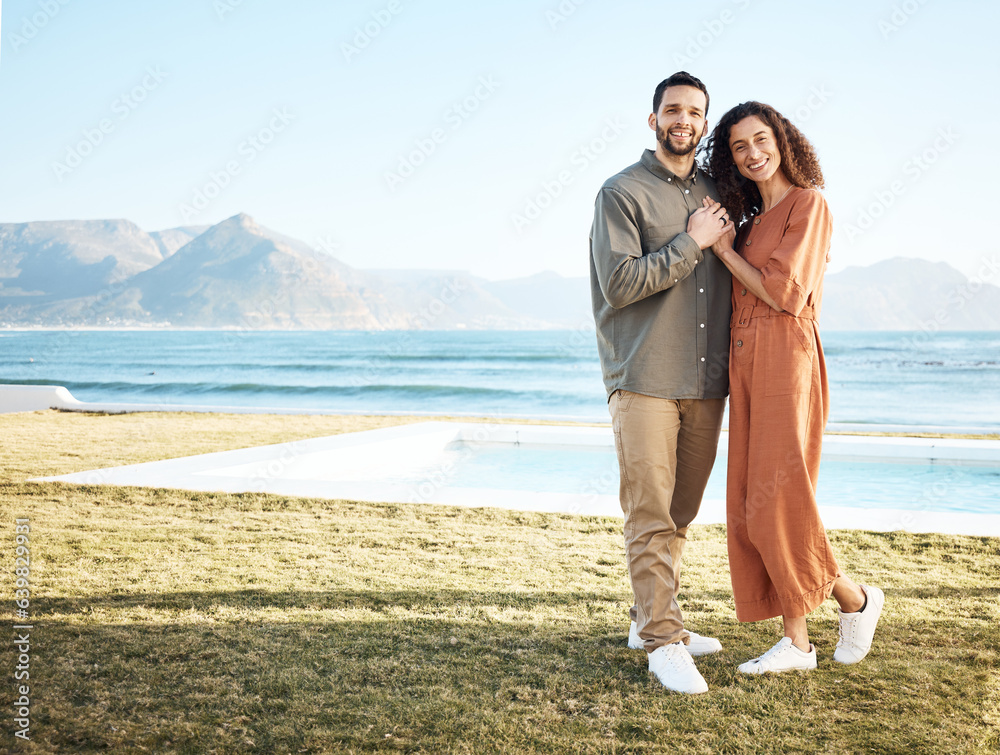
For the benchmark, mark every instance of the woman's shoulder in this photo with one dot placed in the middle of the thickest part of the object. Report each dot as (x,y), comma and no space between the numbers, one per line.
(808,198)
(808,202)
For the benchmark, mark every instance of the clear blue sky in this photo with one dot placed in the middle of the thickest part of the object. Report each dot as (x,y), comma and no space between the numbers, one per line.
(416,133)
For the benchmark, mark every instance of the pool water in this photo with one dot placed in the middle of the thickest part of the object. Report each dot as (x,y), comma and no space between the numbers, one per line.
(945,485)
(593,470)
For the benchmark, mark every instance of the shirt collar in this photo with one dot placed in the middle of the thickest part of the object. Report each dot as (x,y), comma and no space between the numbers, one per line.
(659,170)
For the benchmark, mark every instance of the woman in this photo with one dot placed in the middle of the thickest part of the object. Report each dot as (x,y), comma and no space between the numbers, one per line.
(780,559)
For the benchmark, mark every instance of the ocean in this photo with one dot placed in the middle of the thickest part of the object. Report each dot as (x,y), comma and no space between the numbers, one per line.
(948,379)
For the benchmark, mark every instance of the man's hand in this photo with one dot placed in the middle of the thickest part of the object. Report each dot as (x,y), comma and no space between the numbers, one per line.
(707,224)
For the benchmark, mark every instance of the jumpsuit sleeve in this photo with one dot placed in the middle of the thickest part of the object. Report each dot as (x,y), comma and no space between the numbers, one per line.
(624,273)
(795,268)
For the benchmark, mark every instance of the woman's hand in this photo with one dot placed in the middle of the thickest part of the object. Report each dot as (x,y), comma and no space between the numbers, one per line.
(726,241)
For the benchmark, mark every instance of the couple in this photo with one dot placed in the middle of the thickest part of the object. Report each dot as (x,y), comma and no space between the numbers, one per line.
(674,303)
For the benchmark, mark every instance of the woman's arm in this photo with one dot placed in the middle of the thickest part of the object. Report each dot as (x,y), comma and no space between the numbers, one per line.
(794,271)
(742,270)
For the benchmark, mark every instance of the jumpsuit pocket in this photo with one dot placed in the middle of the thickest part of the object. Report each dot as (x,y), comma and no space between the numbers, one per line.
(789,352)
(741,344)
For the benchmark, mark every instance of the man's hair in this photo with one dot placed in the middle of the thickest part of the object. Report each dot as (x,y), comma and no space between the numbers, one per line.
(679,79)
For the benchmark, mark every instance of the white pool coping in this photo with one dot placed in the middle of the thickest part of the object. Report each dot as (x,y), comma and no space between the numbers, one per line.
(330,468)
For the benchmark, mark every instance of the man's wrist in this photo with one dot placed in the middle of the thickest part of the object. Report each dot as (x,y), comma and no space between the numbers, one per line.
(697,241)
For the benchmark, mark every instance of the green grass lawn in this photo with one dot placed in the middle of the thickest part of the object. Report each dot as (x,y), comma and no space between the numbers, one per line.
(169,621)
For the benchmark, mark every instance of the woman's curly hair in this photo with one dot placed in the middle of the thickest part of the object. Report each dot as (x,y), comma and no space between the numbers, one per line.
(740,195)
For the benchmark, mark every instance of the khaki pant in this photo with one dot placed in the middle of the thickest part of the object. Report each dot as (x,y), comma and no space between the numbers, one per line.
(666,449)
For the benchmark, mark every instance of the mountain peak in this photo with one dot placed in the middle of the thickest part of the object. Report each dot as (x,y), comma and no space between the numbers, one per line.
(244,221)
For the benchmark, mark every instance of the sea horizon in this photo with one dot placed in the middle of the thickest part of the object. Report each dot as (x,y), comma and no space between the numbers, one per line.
(914,378)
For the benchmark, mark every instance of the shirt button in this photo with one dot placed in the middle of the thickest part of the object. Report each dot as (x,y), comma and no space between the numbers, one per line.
(739,343)
(748,241)
(701,290)
(743,292)
(756,221)
(687,191)
(703,359)
(703,325)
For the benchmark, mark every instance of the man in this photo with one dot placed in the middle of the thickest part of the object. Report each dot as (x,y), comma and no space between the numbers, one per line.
(662,306)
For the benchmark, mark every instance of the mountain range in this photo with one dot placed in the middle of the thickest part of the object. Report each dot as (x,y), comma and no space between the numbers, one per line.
(238,274)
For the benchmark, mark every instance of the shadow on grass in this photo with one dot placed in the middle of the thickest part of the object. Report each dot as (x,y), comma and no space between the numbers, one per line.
(943,591)
(309,685)
(374,599)
(445,683)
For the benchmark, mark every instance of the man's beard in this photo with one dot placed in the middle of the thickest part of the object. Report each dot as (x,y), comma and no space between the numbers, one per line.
(664,139)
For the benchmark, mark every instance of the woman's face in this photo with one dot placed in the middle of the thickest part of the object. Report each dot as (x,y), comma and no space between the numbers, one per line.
(754,148)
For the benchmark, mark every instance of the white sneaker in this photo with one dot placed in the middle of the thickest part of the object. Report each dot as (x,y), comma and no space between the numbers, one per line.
(634,640)
(675,670)
(697,645)
(858,629)
(782,657)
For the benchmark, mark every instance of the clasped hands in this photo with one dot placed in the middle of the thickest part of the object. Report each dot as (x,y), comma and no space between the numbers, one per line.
(710,226)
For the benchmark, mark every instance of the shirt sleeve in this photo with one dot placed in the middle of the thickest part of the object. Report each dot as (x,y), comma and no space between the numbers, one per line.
(795,268)
(624,273)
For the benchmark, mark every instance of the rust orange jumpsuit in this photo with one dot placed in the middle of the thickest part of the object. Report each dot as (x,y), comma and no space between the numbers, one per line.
(780,559)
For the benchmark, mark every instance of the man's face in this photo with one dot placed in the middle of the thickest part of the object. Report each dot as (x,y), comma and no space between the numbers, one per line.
(680,123)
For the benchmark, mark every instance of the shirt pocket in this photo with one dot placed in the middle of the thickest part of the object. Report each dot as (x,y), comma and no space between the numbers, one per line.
(655,237)
(789,357)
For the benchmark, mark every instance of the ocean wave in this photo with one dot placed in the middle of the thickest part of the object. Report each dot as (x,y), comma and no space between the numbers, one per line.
(881,377)
(113,388)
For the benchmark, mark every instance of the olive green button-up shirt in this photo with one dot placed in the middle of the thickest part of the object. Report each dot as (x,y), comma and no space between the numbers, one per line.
(661,304)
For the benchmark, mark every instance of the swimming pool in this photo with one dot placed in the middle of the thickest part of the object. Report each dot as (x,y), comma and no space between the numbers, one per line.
(955,485)
(939,485)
